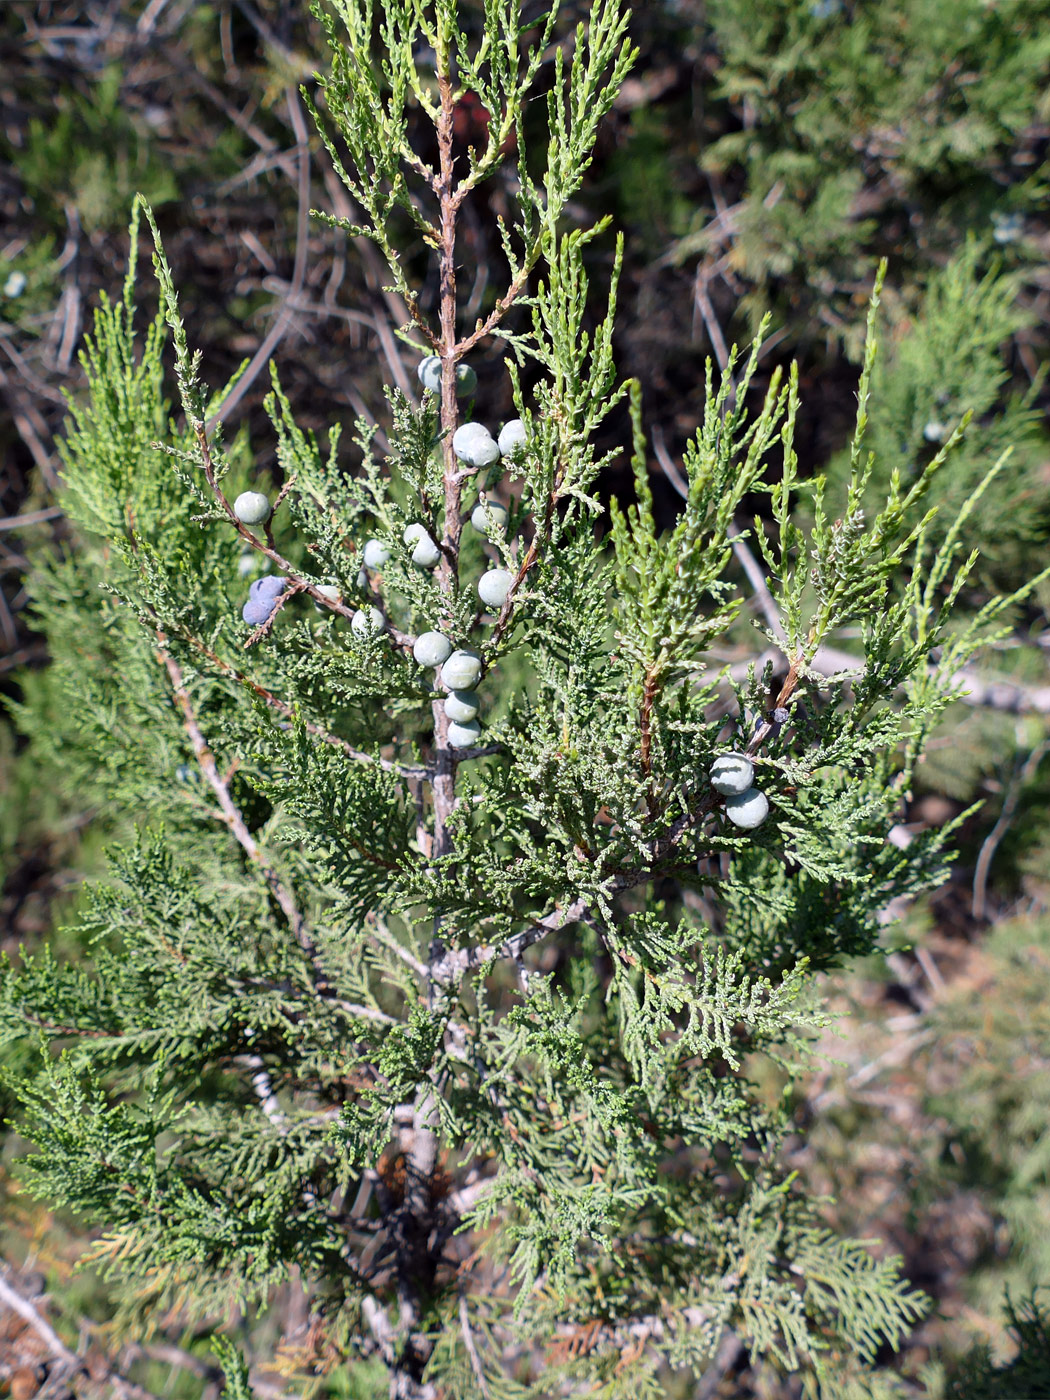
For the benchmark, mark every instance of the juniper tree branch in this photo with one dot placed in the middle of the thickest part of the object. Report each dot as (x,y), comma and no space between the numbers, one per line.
(405,770)
(982,691)
(267,547)
(390,942)
(503,305)
(461,960)
(235,821)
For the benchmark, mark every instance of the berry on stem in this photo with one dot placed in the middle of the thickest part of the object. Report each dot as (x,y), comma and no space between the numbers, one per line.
(475,445)
(463,736)
(252,508)
(466,381)
(432,648)
(511,439)
(426,554)
(462,705)
(270,586)
(494,587)
(367,620)
(732,773)
(462,670)
(487,517)
(260,609)
(429,371)
(375,555)
(747,809)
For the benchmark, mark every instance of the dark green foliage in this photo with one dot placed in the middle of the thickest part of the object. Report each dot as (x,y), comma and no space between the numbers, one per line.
(943,358)
(871,124)
(978,1377)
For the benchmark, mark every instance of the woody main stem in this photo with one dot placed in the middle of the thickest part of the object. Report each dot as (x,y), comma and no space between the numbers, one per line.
(415,1264)
(445,773)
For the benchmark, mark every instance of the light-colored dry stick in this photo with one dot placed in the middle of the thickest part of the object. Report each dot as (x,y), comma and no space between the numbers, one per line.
(460,960)
(991,842)
(472,1351)
(71,1363)
(381,935)
(896,1054)
(172,1355)
(985,692)
(25,1310)
(667,462)
(707,311)
(285,315)
(757,579)
(402,313)
(148,19)
(31,517)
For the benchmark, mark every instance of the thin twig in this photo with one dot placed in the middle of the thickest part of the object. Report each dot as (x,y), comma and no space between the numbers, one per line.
(472,1351)
(25,1310)
(235,821)
(404,770)
(991,842)
(757,579)
(72,1364)
(286,314)
(31,517)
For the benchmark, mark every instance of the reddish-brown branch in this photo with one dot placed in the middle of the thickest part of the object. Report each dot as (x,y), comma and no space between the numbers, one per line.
(646,721)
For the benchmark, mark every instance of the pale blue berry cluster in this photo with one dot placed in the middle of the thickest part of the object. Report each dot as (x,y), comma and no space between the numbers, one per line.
(262,599)
(429,372)
(475,447)
(732,775)
(460,670)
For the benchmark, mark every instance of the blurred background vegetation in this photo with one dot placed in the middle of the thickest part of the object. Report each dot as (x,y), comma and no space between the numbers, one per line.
(764,155)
